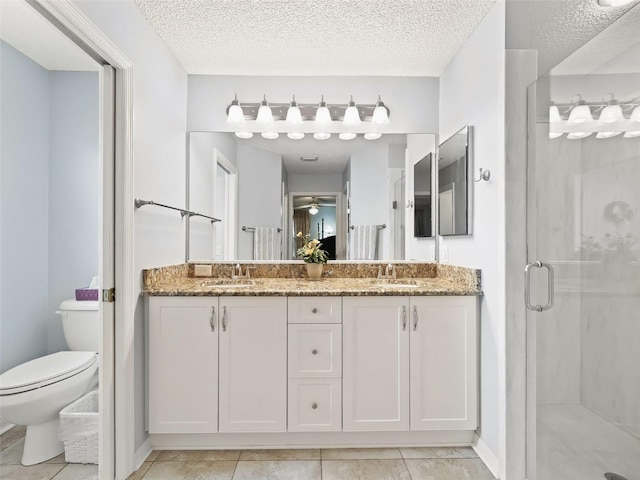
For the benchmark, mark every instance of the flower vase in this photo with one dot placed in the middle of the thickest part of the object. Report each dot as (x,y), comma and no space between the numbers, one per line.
(314,271)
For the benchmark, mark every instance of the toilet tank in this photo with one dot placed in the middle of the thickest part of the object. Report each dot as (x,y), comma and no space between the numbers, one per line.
(81,325)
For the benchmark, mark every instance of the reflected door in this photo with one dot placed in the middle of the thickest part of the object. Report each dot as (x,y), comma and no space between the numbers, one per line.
(583,327)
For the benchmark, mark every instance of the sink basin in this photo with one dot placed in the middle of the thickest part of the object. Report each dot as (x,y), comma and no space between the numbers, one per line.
(395,284)
(228,283)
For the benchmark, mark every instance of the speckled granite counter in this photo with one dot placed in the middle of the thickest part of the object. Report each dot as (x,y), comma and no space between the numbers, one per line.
(417,279)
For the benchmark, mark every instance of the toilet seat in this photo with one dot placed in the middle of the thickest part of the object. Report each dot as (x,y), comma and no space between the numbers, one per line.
(44,371)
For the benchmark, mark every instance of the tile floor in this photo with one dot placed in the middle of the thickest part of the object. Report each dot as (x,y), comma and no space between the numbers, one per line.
(303,464)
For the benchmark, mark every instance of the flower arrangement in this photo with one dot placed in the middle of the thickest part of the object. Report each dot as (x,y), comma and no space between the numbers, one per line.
(310,251)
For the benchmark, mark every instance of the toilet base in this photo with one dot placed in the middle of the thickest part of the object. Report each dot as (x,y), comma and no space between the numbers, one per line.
(41,442)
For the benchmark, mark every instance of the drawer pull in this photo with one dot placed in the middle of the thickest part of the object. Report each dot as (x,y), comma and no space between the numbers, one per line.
(314,351)
(314,310)
(211,319)
(314,405)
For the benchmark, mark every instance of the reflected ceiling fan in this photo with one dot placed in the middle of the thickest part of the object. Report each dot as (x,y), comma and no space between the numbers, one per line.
(314,205)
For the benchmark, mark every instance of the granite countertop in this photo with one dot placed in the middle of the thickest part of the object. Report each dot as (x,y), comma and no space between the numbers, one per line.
(187,286)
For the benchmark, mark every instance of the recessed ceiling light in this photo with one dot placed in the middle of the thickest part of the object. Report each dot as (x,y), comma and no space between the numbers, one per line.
(613,3)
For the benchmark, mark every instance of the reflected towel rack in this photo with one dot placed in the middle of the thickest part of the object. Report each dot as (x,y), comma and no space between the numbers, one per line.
(141,203)
(253,229)
(381,226)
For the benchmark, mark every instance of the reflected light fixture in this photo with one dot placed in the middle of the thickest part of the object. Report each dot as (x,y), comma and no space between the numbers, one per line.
(295,135)
(555,134)
(351,115)
(578,135)
(372,136)
(633,134)
(380,114)
(322,135)
(579,114)
(323,116)
(554,114)
(313,209)
(235,115)
(244,134)
(611,113)
(347,136)
(635,115)
(294,116)
(270,135)
(607,134)
(265,116)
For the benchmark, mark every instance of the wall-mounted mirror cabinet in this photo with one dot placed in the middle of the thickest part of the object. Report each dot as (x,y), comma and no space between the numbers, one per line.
(455,183)
(354,195)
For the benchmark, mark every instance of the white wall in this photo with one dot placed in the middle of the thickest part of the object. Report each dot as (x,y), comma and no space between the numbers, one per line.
(259,194)
(74,191)
(472,92)
(160,123)
(413,101)
(24,190)
(298,182)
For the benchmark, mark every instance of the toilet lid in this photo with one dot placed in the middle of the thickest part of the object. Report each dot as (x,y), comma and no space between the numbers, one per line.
(45,371)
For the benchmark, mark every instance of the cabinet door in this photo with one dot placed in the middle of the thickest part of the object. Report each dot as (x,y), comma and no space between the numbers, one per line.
(253,364)
(375,363)
(183,364)
(315,350)
(443,363)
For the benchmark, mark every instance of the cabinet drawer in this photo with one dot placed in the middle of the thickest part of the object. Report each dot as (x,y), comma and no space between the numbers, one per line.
(315,405)
(315,350)
(315,309)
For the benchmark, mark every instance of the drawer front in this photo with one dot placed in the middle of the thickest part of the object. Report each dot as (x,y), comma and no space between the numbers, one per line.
(315,350)
(315,405)
(315,309)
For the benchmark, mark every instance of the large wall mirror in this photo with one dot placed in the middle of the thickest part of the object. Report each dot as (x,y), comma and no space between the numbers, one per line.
(455,184)
(422,204)
(353,195)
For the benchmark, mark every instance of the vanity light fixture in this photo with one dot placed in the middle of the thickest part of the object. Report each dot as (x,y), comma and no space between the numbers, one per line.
(380,113)
(578,135)
(607,134)
(295,135)
(322,135)
(351,115)
(611,114)
(553,135)
(235,115)
(633,134)
(635,114)
(244,134)
(579,114)
(554,114)
(270,135)
(372,136)
(265,116)
(313,209)
(323,116)
(347,136)
(294,116)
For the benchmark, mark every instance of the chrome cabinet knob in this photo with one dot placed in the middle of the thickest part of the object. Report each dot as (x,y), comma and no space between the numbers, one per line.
(314,405)
(314,351)
(314,310)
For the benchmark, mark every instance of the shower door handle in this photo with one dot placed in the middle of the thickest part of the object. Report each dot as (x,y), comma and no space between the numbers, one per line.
(527,286)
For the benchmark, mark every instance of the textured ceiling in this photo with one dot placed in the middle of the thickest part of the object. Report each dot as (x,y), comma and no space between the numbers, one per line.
(557,28)
(315,37)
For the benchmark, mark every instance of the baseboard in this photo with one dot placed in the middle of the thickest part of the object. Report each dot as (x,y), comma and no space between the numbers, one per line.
(486,455)
(5,426)
(141,454)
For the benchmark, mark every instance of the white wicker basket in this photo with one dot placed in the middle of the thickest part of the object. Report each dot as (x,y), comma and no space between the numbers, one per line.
(79,429)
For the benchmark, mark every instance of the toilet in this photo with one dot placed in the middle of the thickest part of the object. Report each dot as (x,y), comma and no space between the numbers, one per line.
(33,393)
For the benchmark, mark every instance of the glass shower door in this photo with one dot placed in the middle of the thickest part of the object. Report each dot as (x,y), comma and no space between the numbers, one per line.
(583,325)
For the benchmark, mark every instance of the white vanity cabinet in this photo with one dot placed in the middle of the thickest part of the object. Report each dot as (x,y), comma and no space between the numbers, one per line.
(315,364)
(253,364)
(410,363)
(183,364)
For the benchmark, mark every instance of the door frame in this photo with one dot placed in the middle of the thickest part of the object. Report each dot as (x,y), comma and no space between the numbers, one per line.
(117,449)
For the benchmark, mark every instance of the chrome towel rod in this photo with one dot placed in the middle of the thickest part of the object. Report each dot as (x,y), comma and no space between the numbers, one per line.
(253,229)
(141,203)
(379,227)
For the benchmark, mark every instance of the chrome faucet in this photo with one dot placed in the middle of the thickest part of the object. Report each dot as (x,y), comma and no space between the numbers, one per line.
(389,272)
